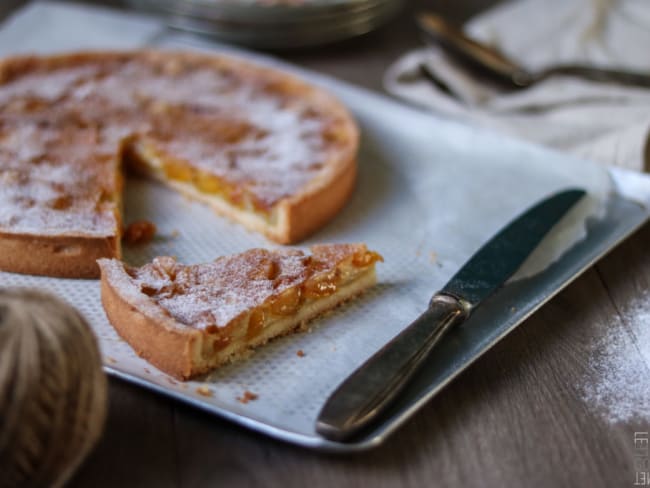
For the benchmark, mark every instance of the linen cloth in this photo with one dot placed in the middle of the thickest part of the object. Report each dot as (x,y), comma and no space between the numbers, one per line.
(604,122)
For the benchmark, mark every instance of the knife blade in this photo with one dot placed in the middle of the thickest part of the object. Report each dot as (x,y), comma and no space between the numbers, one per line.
(368,391)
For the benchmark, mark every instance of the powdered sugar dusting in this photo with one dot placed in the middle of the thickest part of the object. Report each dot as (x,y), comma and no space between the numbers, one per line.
(52,182)
(621,361)
(213,294)
(50,86)
(282,144)
(252,128)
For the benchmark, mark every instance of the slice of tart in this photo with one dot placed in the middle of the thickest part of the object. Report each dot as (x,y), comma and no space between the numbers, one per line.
(189,319)
(258,145)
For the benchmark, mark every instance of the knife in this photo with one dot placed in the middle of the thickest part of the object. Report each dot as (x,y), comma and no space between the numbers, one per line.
(365,395)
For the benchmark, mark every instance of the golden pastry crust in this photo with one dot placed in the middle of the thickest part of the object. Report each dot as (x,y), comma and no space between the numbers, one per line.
(61,257)
(187,320)
(260,146)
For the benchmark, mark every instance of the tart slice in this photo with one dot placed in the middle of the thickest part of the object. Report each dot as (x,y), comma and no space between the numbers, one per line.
(189,319)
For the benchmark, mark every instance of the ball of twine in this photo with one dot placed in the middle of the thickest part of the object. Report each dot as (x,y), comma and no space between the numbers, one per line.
(52,389)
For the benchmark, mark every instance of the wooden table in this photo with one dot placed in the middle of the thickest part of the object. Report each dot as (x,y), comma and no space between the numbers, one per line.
(514,418)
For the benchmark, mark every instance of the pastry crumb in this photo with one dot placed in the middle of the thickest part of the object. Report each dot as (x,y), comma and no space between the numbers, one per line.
(172,381)
(146,370)
(139,232)
(248,396)
(175,233)
(204,391)
(418,250)
(111,360)
(300,353)
(433,257)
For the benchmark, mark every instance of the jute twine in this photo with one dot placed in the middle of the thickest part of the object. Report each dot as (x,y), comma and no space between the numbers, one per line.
(52,390)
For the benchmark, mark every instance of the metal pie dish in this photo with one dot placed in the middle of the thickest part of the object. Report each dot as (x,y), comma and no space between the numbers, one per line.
(276,26)
(260,13)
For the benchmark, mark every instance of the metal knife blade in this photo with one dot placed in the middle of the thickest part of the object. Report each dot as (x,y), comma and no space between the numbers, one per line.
(503,254)
(365,394)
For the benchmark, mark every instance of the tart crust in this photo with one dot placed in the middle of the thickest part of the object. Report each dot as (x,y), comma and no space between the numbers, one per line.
(60,257)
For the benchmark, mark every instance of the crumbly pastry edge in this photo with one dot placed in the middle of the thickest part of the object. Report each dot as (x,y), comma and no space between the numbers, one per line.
(56,256)
(176,348)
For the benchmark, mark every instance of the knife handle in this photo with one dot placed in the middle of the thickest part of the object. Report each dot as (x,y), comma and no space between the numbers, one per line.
(364,395)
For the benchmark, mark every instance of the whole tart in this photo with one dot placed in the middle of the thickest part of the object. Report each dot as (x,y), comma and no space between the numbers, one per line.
(260,146)
(189,319)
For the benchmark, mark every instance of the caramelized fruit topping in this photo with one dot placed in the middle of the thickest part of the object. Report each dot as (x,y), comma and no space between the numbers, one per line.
(208,183)
(287,302)
(61,203)
(178,171)
(366,258)
(321,287)
(256,323)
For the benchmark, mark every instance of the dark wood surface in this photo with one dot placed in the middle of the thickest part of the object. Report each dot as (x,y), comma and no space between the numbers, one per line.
(515,418)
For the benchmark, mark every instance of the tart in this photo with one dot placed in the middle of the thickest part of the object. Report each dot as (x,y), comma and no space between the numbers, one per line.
(189,319)
(260,146)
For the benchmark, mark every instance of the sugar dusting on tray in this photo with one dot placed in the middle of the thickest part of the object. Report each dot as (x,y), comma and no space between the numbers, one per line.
(621,361)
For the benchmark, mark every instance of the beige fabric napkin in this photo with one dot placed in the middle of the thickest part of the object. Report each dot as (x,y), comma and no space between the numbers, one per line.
(604,122)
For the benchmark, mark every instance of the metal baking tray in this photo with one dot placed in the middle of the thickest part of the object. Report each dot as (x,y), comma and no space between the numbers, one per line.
(430,191)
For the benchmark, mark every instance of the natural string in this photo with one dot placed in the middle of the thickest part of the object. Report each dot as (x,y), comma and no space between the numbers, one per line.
(52,389)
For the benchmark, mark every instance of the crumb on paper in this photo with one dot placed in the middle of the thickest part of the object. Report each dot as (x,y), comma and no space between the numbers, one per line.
(146,370)
(139,232)
(418,250)
(300,353)
(111,360)
(433,257)
(175,233)
(204,391)
(172,381)
(248,396)
(513,309)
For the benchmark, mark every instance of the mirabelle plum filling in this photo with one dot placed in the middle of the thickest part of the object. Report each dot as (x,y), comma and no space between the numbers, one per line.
(211,184)
(286,303)
(207,183)
(256,323)
(178,171)
(366,258)
(322,285)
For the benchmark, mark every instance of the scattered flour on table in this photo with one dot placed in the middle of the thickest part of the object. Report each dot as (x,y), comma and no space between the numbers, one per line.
(621,361)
